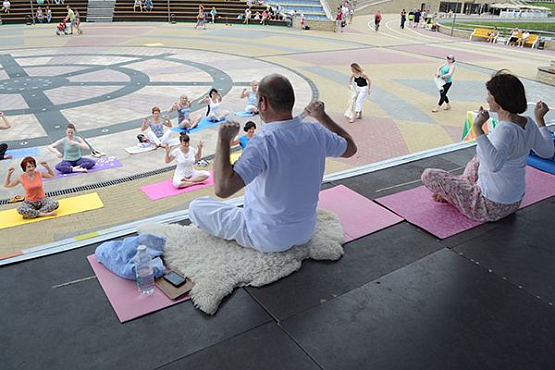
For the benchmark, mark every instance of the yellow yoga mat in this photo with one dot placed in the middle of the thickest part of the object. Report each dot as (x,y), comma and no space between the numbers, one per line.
(68,206)
(235,156)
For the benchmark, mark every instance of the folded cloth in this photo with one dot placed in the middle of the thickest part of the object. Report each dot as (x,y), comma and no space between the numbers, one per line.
(351,100)
(118,255)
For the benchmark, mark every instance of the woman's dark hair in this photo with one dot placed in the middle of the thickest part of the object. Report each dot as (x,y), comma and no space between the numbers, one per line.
(27,160)
(508,91)
(183,137)
(249,125)
(155,109)
(71,126)
(212,91)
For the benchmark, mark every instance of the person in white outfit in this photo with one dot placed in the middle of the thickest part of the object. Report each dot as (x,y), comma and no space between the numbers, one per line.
(281,191)
(493,183)
(250,94)
(214,111)
(156,124)
(362,82)
(185,175)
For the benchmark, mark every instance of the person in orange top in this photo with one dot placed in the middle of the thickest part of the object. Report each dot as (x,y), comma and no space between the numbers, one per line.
(36,203)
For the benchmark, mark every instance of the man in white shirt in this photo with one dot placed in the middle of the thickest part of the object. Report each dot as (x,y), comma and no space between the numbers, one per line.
(282,169)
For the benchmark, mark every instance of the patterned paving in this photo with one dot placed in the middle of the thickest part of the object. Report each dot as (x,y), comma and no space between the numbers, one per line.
(106,85)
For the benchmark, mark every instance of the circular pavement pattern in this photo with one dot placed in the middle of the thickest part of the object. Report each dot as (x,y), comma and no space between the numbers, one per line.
(109,90)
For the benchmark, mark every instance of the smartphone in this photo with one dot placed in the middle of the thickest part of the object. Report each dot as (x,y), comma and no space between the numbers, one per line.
(175,279)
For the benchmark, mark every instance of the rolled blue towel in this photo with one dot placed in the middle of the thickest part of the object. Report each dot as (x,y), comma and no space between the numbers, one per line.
(118,255)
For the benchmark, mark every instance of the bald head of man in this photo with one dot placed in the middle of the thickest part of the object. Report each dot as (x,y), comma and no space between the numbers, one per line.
(278,93)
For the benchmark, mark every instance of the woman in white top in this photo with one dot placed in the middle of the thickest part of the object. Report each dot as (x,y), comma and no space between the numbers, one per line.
(185,175)
(493,183)
(214,100)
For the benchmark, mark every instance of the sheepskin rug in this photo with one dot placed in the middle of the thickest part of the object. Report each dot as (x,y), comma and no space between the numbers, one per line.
(217,266)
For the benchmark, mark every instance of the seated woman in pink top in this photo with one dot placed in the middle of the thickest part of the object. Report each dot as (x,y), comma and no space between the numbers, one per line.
(36,203)
(492,185)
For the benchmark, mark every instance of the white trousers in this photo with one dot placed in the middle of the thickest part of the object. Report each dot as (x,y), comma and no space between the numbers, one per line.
(251,108)
(362,93)
(165,139)
(177,178)
(221,220)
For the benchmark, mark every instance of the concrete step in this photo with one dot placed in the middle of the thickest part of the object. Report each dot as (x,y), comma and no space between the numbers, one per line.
(99,19)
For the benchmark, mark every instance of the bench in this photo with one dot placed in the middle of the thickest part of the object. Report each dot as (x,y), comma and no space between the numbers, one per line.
(532,40)
(483,33)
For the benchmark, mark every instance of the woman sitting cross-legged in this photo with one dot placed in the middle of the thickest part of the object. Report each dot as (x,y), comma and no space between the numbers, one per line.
(156,124)
(185,175)
(36,203)
(71,146)
(214,112)
(184,118)
(493,183)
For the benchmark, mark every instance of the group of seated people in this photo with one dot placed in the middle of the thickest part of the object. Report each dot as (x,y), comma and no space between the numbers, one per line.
(43,15)
(143,5)
(518,38)
(281,192)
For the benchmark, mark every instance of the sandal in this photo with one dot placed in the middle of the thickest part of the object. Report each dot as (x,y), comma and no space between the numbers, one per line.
(97,154)
(16,199)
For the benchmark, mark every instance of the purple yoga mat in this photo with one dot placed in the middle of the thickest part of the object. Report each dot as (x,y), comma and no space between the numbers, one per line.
(443,220)
(165,188)
(104,163)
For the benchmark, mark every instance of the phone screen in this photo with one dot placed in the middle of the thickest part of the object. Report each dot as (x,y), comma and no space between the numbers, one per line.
(174,279)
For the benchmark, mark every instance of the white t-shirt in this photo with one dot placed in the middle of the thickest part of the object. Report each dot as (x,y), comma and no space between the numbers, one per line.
(282,168)
(185,163)
(503,156)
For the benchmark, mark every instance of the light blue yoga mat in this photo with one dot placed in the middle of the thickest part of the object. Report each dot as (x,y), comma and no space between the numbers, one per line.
(204,123)
(243,114)
(24,152)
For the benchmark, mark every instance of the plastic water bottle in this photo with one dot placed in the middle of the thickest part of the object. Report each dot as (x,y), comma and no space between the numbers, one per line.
(143,269)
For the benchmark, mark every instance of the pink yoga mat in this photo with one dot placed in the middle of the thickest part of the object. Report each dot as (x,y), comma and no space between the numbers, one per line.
(166,189)
(443,220)
(359,215)
(124,297)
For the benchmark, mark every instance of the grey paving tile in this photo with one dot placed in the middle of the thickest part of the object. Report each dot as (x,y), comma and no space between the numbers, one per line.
(364,260)
(266,347)
(442,312)
(395,179)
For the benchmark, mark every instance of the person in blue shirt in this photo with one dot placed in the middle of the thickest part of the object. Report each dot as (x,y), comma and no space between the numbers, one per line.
(250,128)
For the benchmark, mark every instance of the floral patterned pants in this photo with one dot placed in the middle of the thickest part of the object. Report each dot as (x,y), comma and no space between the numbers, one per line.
(463,193)
(33,209)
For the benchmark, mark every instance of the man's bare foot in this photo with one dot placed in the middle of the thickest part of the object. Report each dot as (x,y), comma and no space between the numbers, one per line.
(8,156)
(438,198)
(435,110)
(46,214)
(351,120)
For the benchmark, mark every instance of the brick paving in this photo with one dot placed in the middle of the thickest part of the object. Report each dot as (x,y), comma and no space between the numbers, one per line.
(397,118)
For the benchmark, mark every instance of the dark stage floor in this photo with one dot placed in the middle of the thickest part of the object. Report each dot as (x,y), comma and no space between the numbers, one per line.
(398,299)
